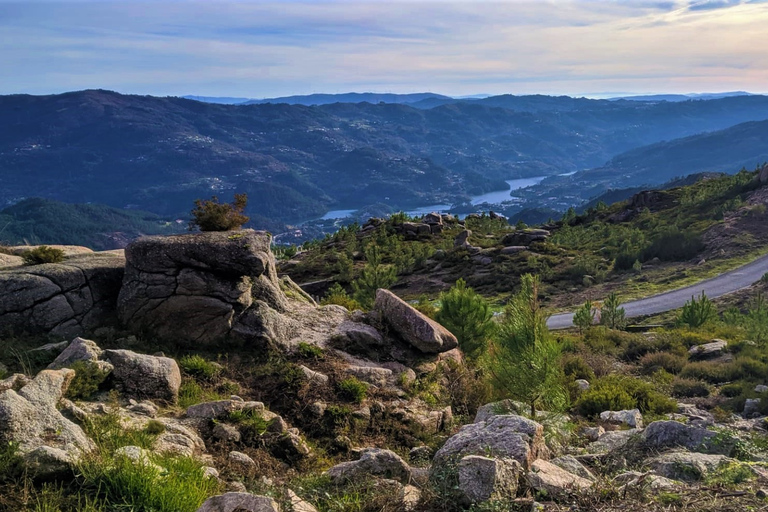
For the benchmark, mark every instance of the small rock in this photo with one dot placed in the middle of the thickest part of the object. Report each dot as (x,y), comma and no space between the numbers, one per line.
(573,466)
(373,462)
(685,465)
(317,408)
(215,410)
(708,350)
(762,493)
(582,384)
(241,460)
(631,417)
(297,504)
(226,433)
(314,377)
(239,502)
(553,480)
(79,350)
(144,376)
(592,433)
(669,434)
(277,426)
(761,388)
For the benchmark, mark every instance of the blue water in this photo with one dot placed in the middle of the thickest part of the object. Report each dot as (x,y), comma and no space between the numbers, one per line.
(495,197)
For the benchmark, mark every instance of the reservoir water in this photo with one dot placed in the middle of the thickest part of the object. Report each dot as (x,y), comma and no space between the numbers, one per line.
(495,197)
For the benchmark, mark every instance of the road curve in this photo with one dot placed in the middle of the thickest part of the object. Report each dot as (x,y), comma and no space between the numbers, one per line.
(723,284)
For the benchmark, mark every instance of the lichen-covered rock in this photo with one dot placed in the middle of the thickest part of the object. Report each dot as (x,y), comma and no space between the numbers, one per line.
(239,502)
(62,299)
(503,436)
(632,418)
(79,349)
(686,466)
(672,434)
(573,466)
(553,480)
(484,479)
(372,462)
(46,438)
(214,410)
(610,441)
(708,350)
(145,376)
(413,326)
(203,287)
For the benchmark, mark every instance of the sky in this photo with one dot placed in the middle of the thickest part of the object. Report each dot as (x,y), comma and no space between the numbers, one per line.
(257,49)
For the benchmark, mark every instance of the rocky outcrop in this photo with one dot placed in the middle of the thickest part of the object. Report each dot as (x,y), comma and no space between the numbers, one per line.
(10,261)
(203,288)
(525,237)
(708,350)
(49,442)
(144,376)
(372,462)
(632,418)
(685,465)
(62,299)
(504,436)
(414,327)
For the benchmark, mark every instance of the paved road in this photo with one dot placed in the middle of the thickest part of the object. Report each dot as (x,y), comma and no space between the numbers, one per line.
(723,284)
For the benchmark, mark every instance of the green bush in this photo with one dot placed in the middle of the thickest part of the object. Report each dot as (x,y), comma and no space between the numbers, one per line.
(309,351)
(671,244)
(88,378)
(618,392)
(712,372)
(199,368)
(575,367)
(697,312)
(43,254)
(337,295)
(353,389)
(688,388)
(251,423)
(213,216)
(655,361)
(468,316)
(735,389)
(191,393)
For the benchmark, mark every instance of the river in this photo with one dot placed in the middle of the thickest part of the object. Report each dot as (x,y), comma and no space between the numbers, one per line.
(495,197)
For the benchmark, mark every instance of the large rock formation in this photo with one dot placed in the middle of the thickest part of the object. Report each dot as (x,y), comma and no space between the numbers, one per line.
(203,287)
(414,327)
(48,441)
(63,299)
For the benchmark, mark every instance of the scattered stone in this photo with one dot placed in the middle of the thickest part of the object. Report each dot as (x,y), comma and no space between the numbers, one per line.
(215,410)
(462,239)
(241,460)
(79,349)
(501,407)
(685,465)
(573,466)
(751,408)
(372,462)
(145,408)
(137,455)
(513,249)
(582,384)
(708,350)
(553,480)
(504,436)
(592,433)
(483,479)
(761,388)
(143,376)
(414,327)
(379,377)
(317,408)
(762,493)
(631,417)
(670,434)
(611,441)
(239,502)
(291,446)
(226,433)
(297,504)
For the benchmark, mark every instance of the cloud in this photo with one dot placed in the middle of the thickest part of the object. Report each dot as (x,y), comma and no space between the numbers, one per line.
(259,49)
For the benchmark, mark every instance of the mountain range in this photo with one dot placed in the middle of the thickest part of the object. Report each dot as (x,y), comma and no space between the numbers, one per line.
(296,162)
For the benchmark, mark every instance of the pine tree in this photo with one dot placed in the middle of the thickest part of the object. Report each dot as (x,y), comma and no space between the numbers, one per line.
(468,316)
(584,316)
(611,314)
(524,360)
(374,275)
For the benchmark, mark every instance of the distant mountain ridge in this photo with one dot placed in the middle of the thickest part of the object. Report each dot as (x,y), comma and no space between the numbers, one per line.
(351,97)
(297,162)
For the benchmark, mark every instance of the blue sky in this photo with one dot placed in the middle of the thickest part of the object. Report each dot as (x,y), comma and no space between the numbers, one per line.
(265,49)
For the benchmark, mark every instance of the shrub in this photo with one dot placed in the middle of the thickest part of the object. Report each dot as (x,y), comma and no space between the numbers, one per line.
(697,312)
(617,392)
(671,244)
(309,351)
(611,314)
(468,316)
(43,254)
(734,390)
(191,393)
(655,361)
(213,216)
(337,295)
(374,275)
(353,389)
(688,388)
(584,316)
(575,367)
(711,372)
(88,378)
(197,367)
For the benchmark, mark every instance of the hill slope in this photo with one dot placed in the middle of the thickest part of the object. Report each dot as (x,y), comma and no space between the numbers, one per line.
(296,162)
